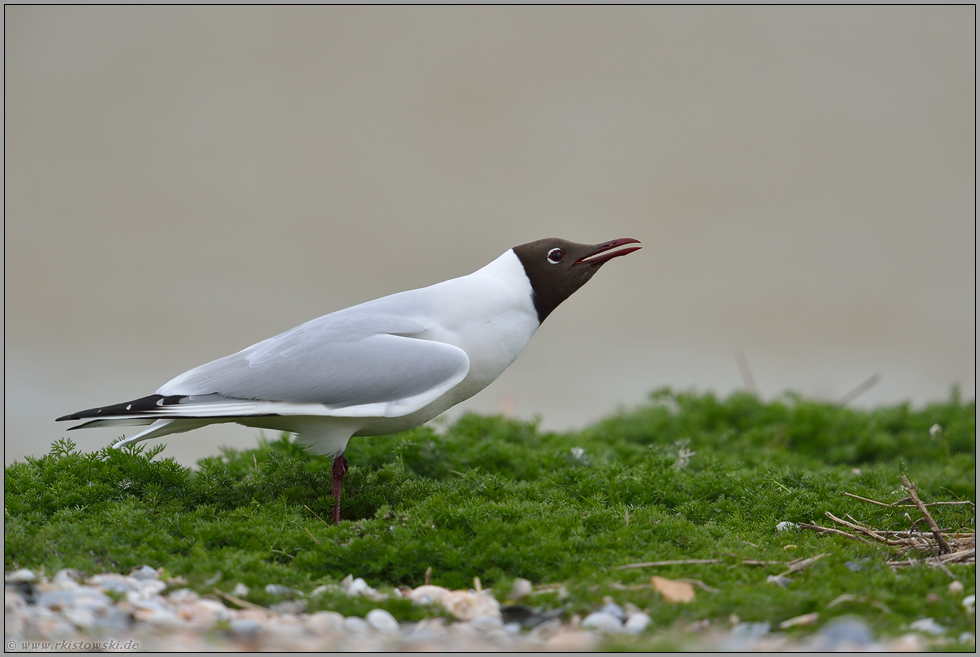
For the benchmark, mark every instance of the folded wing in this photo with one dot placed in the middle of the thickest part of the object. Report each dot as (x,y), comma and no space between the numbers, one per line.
(350,363)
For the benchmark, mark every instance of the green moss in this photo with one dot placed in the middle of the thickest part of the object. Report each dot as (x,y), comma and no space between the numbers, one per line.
(685,476)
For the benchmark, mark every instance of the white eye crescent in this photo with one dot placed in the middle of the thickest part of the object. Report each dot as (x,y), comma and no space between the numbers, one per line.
(555,256)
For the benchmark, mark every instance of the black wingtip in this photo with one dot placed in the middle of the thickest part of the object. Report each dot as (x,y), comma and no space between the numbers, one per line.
(140,405)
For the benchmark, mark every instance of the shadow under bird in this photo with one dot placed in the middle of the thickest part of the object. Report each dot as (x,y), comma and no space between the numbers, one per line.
(376,368)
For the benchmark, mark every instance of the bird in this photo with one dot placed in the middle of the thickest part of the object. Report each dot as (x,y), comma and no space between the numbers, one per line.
(375,368)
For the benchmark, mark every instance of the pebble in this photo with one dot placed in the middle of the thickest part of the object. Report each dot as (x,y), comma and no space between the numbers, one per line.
(282,591)
(744,636)
(929,626)
(637,623)
(244,626)
(289,607)
(428,594)
(521,589)
(487,623)
(143,572)
(603,621)
(325,622)
(356,625)
(22,575)
(382,621)
(467,605)
(614,609)
(845,634)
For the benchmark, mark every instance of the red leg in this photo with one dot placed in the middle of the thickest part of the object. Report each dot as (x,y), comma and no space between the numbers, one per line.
(340,467)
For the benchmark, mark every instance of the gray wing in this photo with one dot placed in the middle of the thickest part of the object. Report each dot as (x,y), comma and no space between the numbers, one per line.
(358,361)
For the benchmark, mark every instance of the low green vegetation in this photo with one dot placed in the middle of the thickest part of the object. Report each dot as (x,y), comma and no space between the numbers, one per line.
(686,476)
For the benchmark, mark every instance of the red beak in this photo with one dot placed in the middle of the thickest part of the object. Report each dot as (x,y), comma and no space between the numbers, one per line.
(604,253)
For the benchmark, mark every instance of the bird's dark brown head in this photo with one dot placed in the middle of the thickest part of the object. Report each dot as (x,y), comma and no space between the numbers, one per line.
(557,267)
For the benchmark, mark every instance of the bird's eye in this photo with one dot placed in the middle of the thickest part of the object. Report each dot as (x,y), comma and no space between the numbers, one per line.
(555,256)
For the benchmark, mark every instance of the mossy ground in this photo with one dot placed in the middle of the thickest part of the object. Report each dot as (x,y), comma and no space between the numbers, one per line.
(686,476)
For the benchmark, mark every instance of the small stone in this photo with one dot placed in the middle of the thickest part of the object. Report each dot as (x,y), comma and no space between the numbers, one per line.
(282,591)
(842,634)
(785,526)
(68,578)
(148,588)
(183,596)
(22,575)
(512,628)
(968,638)
(114,582)
(466,605)
(956,587)
(968,603)
(744,637)
(289,607)
(614,609)
(325,622)
(929,626)
(382,621)
(240,590)
(204,613)
(83,596)
(244,627)
(430,627)
(356,625)
(428,594)
(156,614)
(521,589)
(360,587)
(637,623)
(143,572)
(545,630)
(486,623)
(603,621)
(13,600)
(287,626)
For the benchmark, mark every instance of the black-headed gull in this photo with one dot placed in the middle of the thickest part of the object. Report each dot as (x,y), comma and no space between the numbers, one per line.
(376,368)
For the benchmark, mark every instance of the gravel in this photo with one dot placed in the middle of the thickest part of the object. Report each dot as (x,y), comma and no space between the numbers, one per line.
(140,611)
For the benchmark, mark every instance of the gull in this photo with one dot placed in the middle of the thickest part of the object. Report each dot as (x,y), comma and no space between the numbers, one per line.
(376,368)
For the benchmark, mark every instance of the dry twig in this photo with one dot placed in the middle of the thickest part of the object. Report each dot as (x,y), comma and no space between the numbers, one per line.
(943,546)
(899,504)
(799,564)
(674,562)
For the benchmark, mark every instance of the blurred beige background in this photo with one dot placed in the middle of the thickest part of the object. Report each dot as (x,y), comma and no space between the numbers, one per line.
(182,182)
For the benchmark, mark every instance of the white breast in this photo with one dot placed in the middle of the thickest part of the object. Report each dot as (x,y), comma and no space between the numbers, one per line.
(489,314)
